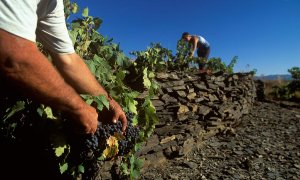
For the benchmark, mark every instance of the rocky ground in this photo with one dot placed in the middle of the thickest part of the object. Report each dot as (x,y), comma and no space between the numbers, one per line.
(266,145)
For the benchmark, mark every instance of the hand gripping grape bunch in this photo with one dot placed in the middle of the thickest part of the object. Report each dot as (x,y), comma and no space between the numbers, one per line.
(103,141)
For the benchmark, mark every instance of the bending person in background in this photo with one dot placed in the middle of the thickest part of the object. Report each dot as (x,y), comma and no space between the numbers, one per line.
(27,69)
(198,42)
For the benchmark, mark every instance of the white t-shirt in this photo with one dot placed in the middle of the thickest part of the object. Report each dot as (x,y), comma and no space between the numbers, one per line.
(203,41)
(37,20)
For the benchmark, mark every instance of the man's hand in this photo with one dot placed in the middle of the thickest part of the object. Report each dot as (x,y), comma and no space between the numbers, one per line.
(113,114)
(118,113)
(85,120)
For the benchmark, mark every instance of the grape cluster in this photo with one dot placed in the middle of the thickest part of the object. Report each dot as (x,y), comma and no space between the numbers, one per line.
(96,143)
(131,135)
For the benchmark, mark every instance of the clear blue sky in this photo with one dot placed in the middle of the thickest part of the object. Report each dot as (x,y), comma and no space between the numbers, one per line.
(264,34)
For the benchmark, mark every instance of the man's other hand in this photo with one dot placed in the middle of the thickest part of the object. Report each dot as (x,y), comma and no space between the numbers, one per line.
(86,120)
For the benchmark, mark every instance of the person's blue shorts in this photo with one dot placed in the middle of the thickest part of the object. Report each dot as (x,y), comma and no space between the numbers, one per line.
(203,52)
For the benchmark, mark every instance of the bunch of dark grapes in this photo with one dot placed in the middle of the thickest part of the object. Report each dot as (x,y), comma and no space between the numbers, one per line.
(86,149)
(93,145)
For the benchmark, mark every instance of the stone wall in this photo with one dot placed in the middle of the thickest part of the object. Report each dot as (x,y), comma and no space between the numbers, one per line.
(192,107)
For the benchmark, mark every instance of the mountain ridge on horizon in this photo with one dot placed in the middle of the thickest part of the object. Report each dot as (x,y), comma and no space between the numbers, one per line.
(287,77)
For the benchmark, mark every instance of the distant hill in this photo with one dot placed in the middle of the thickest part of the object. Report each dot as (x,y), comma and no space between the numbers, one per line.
(286,77)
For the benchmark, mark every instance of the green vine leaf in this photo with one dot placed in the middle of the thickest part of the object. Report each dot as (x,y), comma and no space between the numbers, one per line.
(102,100)
(85,12)
(60,150)
(150,117)
(81,168)
(75,8)
(131,104)
(139,163)
(20,105)
(46,112)
(120,59)
(135,121)
(151,75)
(63,168)
(147,82)
(124,168)
(49,113)
(135,167)
(89,101)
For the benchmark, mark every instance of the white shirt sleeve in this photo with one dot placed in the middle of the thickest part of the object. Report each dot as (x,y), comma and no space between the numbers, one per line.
(41,20)
(51,28)
(19,18)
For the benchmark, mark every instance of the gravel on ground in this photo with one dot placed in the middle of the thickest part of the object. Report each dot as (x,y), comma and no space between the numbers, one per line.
(266,145)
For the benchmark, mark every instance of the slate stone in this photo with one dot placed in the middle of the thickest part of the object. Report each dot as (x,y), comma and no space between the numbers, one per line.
(204,110)
(157,103)
(200,87)
(162,75)
(176,88)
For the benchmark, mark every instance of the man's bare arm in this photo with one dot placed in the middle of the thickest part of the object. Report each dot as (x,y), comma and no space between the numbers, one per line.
(78,75)
(26,68)
(194,43)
